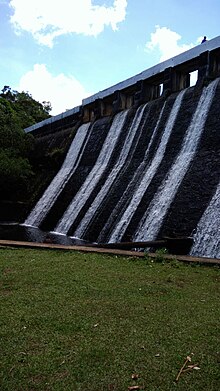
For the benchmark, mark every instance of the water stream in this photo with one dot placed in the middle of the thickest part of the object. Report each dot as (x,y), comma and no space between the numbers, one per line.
(127,149)
(149,174)
(92,179)
(70,163)
(155,213)
(207,236)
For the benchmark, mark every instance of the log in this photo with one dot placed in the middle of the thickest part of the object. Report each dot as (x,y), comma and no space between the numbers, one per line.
(179,245)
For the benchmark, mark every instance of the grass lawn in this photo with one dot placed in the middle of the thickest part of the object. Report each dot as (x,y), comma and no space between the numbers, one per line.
(88,322)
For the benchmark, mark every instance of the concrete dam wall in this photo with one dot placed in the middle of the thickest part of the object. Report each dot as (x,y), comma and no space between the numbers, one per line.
(143,164)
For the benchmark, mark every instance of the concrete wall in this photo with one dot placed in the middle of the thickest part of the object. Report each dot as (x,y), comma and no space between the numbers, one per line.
(173,74)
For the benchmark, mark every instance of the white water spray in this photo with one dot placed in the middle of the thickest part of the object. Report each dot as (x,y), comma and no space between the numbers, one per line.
(149,174)
(70,163)
(152,220)
(95,174)
(207,236)
(127,149)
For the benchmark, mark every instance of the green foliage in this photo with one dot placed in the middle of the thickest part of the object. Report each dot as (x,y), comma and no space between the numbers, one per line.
(55,156)
(160,254)
(17,111)
(15,173)
(28,110)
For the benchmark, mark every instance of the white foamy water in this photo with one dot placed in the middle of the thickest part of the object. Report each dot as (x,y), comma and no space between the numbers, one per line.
(149,174)
(95,174)
(112,220)
(127,149)
(70,163)
(152,220)
(207,236)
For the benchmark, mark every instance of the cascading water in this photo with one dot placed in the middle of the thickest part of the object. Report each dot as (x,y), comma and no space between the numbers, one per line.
(207,236)
(154,215)
(150,172)
(49,197)
(114,218)
(94,176)
(127,149)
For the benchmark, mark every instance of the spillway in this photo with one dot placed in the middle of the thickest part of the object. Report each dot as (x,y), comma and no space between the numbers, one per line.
(143,165)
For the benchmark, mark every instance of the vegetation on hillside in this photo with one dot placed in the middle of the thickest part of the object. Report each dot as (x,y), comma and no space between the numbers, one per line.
(18,110)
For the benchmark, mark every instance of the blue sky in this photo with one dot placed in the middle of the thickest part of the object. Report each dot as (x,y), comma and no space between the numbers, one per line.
(64,51)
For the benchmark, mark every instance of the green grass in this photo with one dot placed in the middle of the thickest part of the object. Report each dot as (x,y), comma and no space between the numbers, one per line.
(74,321)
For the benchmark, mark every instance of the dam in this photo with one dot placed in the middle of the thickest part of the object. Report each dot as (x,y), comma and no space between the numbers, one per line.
(143,161)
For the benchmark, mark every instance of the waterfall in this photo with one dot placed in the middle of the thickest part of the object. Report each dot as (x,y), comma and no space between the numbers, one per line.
(94,176)
(155,213)
(114,217)
(70,163)
(150,172)
(127,149)
(207,236)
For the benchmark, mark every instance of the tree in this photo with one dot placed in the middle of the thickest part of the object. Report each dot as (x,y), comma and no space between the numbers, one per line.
(28,109)
(17,111)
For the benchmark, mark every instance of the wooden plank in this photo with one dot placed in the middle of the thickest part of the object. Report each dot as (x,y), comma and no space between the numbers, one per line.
(182,258)
(12,243)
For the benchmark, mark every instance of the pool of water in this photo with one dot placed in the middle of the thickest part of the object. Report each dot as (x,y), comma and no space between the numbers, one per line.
(19,232)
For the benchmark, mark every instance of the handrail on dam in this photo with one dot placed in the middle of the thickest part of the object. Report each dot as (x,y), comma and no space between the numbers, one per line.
(173,74)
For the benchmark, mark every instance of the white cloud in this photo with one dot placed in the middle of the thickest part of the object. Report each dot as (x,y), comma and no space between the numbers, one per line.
(166,41)
(48,19)
(63,92)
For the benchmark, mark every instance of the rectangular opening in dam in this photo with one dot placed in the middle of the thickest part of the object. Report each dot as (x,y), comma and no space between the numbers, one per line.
(193,78)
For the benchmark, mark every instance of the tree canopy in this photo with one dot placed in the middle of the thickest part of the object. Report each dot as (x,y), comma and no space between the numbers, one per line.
(18,110)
